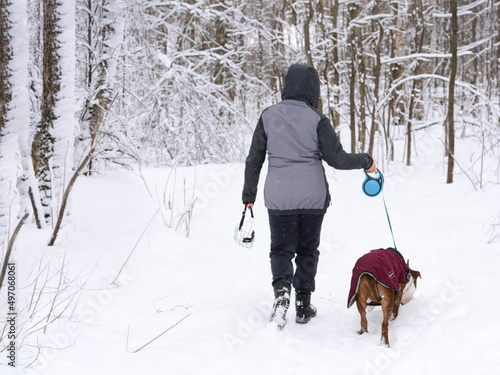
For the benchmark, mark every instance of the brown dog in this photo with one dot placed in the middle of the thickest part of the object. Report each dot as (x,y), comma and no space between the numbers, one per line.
(382,278)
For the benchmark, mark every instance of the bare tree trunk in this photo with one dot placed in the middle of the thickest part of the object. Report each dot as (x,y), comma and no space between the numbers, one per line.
(5,56)
(5,102)
(9,248)
(336,75)
(398,68)
(278,75)
(66,196)
(220,42)
(353,12)
(362,91)
(496,54)
(376,89)
(409,125)
(35,210)
(416,83)
(51,87)
(352,104)
(326,59)
(307,36)
(104,92)
(89,76)
(451,92)
(493,53)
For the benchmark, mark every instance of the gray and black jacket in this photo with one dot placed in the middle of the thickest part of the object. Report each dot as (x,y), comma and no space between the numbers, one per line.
(296,137)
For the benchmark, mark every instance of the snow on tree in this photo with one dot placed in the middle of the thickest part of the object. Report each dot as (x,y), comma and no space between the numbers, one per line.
(191,105)
(57,124)
(184,81)
(16,173)
(99,42)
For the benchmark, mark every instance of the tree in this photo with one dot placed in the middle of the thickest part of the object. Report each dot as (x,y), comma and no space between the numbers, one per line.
(451,91)
(51,87)
(307,33)
(5,101)
(419,27)
(397,68)
(16,173)
(354,10)
(5,56)
(377,78)
(101,40)
(53,145)
(331,72)
(202,85)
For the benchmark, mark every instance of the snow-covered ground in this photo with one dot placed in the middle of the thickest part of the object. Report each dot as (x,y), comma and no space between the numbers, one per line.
(220,293)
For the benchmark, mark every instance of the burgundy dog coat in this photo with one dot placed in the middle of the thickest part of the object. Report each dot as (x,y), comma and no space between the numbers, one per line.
(387,266)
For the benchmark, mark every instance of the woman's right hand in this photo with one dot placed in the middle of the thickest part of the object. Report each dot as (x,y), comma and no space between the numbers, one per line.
(373,169)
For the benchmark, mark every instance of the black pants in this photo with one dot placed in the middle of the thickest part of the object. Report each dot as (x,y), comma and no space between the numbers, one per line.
(295,236)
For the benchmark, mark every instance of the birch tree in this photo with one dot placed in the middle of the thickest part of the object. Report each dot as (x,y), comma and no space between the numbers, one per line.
(55,132)
(6,176)
(16,174)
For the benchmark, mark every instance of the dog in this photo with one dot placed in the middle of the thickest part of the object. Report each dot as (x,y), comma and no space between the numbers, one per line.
(382,278)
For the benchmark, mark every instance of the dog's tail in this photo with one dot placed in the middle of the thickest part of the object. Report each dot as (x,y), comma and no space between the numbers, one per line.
(375,291)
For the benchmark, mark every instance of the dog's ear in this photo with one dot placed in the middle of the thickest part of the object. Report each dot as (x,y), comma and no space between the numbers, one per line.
(408,263)
(414,276)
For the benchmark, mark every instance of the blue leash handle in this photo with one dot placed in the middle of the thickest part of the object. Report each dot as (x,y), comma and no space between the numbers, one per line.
(389,220)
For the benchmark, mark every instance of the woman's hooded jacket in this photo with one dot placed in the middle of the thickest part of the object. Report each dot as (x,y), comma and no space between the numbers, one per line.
(296,138)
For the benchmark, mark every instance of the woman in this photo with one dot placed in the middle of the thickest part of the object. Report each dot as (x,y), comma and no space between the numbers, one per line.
(296,137)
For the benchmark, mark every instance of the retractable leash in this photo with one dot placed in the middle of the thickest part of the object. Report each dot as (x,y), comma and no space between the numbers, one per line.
(372,186)
(244,234)
(389,220)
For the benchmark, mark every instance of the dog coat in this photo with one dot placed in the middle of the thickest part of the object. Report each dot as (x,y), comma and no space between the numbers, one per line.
(387,266)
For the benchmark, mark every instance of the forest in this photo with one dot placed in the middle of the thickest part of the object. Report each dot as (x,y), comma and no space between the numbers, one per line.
(91,87)
(114,83)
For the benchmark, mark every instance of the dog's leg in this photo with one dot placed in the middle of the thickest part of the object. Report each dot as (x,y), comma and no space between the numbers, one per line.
(387,307)
(364,293)
(362,311)
(397,301)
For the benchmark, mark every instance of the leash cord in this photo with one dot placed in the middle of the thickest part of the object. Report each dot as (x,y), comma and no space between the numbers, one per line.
(389,220)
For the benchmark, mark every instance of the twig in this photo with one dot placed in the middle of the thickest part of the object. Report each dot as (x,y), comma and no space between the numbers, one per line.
(81,289)
(35,210)
(459,166)
(145,183)
(61,274)
(10,246)
(128,334)
(161,334)
(137,243)
(66,196)
(39,297)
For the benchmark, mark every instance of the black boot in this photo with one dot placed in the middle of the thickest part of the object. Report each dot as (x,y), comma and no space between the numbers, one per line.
(305,311)
(281,302)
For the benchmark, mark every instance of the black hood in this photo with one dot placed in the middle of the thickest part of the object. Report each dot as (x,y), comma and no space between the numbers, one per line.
(302,83)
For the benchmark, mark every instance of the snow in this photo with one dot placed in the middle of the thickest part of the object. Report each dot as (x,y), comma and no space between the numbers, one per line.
(17,120)
(65,124)
(215,296)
